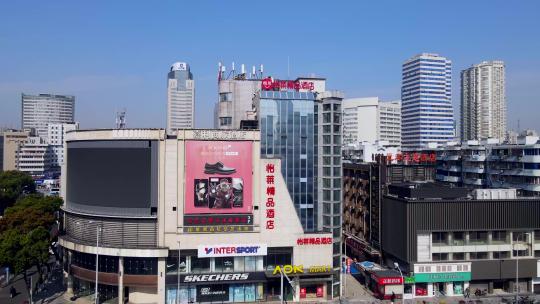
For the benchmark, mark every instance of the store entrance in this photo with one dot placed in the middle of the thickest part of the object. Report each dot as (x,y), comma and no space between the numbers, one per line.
(311,291)
(439,289)
(273,289)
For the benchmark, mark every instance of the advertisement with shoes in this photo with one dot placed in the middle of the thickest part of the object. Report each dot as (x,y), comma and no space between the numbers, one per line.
(218,177)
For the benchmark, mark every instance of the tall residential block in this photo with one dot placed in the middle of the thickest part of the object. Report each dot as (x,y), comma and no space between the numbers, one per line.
(180,97)
(369,119)
(483,101)
(38,111)
(427,115)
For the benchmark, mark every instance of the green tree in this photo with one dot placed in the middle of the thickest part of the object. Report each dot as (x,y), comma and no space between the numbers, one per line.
(12,185)
(25,235)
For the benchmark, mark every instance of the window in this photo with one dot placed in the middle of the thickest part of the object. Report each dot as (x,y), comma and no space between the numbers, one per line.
(501,254)
(172,262)
(327,107)
(478,255)
(337,149)
(200,264)
(326,195)
(537,253)
(337,171)
(337,195)
(439,257)
(326,118)
(225,97)
(458,238)
(439,238)
(224,264)
(520,236)
(142,266)
(326,139)
(337,107)
(326,183)
(478,237)
(499,237)
(458,256)
(279,257)
(326,129)
(225,121)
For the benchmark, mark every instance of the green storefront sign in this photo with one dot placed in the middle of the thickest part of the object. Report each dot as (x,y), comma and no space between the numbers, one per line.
(442,277)
(409,280)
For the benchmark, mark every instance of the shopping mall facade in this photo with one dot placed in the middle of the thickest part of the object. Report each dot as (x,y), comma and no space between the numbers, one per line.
(198,216)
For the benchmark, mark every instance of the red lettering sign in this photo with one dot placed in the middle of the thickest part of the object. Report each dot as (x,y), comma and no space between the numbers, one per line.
(269,84)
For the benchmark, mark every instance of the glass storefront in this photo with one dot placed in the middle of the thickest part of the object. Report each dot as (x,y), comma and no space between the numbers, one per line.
(458,288)
(83,288)
(233,293)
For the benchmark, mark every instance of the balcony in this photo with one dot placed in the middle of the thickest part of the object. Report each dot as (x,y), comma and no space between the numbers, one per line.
(474,181)
(474,169)
(475,158)
(450,179)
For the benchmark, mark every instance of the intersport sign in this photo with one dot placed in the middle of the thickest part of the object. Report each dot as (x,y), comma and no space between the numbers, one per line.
(226,250)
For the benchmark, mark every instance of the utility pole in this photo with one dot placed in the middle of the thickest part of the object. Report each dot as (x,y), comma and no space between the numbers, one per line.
(178,277)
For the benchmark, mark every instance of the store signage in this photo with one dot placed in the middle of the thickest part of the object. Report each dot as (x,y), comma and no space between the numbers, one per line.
(209,278)
(442,277)
(299,269)
(210,293)
(319,292)
(411,157)
(270,202)
(225,250)
(409,280)
(216,277)
(387,280)
(302,293)
(269,84)
(218,219)
(218,229)
(314,241)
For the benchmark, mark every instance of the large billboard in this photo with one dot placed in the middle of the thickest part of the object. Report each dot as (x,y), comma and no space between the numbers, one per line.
(219,179)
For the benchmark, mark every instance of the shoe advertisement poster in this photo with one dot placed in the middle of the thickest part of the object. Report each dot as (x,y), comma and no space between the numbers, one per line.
(218,177)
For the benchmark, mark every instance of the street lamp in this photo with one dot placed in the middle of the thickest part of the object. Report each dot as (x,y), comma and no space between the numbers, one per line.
(517,263)
(396,265)
(98,231)
(178,276)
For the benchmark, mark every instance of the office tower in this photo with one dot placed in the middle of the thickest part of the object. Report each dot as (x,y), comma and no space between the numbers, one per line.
(38,111)
(483,101)
(370,119)
(236,91)
(180,97)
(12,139)
(426,110)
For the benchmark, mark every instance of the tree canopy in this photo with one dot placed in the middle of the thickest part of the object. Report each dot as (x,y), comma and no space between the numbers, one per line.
(12,185)
(25,235)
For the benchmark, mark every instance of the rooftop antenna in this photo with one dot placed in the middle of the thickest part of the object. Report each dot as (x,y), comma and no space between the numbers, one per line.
(253,75)
(519,129)
(288,74)
(121,119)
(219,71)
(262,70)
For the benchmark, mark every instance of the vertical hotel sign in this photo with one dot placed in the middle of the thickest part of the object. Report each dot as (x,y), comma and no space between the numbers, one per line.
(270,193)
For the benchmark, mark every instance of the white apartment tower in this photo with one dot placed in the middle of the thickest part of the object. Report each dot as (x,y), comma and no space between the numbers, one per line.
(483,101)
(427,115)
(38,111)
(180,97)
(369,119)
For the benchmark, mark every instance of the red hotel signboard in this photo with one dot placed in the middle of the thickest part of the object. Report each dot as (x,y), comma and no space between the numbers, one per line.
(269,84)
(387,280)
(270,192)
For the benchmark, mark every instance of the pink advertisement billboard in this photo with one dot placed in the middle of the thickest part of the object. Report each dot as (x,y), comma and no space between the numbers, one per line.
(218,177)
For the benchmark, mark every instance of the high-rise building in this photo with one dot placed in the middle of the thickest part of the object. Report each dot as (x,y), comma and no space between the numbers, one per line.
(302,126)
(38,111)
(12,139)
(57,138)
(426,110)
(369,119)
(483,101)
(236,92)
(180,97)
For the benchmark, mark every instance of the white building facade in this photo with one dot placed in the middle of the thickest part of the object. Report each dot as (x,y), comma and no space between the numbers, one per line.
(35,157)
(369,120)
(427,114)
(180,97)
(165,238)
(56,139)
(38,111)
(483,101)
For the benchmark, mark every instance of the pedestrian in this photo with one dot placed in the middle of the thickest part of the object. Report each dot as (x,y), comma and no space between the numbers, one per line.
(467,292)
(12,292)
(393,297)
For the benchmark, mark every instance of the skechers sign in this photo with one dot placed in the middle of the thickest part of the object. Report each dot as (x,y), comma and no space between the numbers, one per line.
(225,250)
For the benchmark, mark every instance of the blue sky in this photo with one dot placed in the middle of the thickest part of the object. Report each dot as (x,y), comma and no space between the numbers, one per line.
(116,54)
